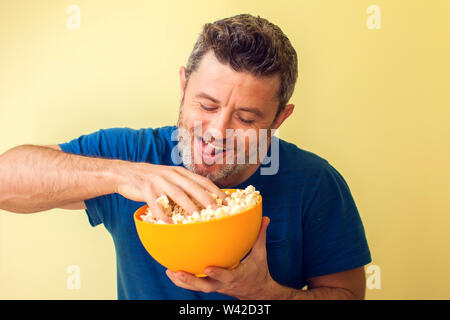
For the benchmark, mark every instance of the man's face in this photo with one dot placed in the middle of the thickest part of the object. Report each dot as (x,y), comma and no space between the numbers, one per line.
(216,103)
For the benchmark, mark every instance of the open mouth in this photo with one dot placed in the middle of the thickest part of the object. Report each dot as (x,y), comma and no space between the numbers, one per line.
(208,150)
(214,148)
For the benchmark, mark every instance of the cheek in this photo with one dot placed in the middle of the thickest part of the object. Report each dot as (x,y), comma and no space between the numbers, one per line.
(191,114)
(245,142)
(258,140)
(187,117)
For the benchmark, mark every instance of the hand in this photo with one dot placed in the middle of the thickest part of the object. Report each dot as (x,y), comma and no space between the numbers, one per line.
(250,280)
(147,182)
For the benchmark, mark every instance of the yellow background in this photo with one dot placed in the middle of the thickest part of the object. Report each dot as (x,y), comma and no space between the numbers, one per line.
(375,103)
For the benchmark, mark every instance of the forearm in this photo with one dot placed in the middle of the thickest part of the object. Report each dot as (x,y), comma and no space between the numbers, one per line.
(36,178)
(276,291)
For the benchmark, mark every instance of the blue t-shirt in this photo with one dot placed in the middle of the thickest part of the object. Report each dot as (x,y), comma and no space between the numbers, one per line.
(315,228)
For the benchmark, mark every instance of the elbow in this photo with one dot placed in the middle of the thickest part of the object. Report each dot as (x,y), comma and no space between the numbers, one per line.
(354,295)
(14,210)
(13,206)
(7,173)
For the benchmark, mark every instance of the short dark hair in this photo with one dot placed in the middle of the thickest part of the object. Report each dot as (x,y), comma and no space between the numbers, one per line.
(252,44)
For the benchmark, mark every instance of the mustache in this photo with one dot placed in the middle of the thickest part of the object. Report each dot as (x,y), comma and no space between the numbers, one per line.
(217,144)
(247,141)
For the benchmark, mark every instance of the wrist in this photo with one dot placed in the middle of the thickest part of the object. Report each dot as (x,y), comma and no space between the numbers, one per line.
(114,174)
(266,290)
(272,290)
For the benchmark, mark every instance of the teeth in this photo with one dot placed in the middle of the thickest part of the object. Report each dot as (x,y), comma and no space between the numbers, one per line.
(215,147)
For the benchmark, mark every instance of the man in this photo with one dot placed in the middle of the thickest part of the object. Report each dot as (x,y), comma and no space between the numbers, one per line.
(239,79)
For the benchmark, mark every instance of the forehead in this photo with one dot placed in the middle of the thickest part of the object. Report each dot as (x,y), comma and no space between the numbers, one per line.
(229,86)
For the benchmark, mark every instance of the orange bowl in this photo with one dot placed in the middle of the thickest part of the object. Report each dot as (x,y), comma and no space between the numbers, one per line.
(192,247)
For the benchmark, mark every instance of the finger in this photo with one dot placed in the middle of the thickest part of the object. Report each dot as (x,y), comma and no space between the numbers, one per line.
(198,193)
(194,190)
(190,281)
(201,196)
(204,182)
(156,210)
(175,280)
(221,274)
(181,198)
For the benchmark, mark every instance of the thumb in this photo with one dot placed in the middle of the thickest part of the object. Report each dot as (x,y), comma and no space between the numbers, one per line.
(260,243)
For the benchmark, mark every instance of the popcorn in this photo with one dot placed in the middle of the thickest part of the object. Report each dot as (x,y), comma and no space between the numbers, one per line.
(237,201)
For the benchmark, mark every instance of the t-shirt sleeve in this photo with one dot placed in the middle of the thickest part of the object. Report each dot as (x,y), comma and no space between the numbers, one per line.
(333,233)
(113,143)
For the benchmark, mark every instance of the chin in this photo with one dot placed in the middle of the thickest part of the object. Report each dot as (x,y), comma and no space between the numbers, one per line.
(218,172)
(213,172)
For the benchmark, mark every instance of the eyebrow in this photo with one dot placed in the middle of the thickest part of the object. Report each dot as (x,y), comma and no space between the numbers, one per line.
(207,96)
(255,111)
(252,110)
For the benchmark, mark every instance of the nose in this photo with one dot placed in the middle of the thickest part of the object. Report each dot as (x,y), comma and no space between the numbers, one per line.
(218,125)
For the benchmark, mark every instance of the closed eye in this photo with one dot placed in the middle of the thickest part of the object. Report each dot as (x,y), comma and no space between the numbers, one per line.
(246,121)
(207,108)
(211,109)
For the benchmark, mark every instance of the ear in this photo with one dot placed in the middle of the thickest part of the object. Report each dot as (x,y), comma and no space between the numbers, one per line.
(182,73)
(287,111)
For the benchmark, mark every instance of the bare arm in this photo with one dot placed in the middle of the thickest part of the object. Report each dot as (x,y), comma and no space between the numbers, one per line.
(79,205)
(251,279)
(350,284)
(37,178)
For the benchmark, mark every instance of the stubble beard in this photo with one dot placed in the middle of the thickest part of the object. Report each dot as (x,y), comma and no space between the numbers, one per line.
(186,147)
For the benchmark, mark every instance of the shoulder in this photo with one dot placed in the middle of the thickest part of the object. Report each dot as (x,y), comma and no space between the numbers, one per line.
(144,144)
(147,133)
(295,160)
(159,135)
(305,170)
